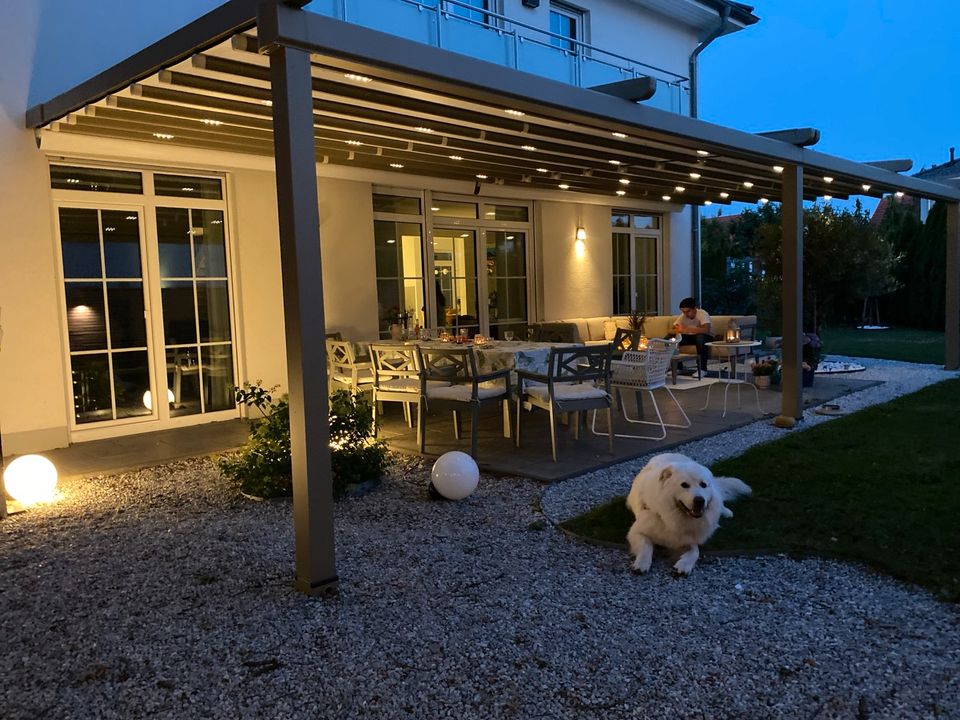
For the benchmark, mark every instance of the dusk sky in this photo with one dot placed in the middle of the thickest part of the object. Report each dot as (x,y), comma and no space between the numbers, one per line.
(880,79)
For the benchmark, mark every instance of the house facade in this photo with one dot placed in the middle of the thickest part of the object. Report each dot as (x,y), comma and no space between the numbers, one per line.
(135,268)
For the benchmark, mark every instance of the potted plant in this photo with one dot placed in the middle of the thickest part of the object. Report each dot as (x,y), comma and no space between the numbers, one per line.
(763,372)
(636,320)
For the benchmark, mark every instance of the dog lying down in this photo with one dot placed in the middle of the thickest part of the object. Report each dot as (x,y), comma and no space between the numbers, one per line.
(678,504)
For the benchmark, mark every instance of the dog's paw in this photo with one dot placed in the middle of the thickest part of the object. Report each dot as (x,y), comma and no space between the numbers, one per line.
(726,512)
(641,564)
(684,566)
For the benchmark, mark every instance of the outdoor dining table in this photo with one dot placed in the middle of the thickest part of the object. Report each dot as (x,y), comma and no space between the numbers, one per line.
(733,350)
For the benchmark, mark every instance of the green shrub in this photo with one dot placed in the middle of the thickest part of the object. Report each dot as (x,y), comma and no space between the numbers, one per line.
(263,465)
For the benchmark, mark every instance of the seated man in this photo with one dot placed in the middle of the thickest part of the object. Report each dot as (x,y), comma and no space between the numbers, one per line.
(693,326)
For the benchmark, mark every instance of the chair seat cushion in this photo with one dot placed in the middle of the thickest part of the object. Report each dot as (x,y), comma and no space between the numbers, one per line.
(565,391)
(464,393)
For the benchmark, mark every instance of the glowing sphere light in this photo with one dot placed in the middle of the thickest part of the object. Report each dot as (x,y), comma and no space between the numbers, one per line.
(455,475)
(31,479)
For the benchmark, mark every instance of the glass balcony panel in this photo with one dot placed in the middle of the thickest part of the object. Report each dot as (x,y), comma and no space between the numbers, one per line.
(477,40)
(596,72)
(547,61)
(398,18)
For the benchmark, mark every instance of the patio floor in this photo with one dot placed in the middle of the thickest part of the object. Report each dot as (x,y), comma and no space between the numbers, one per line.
(495,454)
(498,455)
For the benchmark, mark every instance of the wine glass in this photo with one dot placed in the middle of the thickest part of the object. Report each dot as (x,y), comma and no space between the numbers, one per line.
(508,335)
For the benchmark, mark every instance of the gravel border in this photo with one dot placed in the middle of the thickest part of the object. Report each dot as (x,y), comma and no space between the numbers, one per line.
(163,593)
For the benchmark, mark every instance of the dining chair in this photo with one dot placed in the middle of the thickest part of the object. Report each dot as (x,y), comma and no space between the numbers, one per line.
(347,371)
(450,380)
(644,371)
(577,379)
(396,378)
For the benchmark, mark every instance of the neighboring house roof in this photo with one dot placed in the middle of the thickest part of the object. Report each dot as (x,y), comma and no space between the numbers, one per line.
(884,204)
(703,14)
(948,172)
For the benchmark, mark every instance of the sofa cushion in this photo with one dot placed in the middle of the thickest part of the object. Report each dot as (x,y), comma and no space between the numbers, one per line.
(581,334)
(609,329)
(595,328)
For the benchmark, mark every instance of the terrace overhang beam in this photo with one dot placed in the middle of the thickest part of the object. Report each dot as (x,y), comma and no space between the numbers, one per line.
(801,137)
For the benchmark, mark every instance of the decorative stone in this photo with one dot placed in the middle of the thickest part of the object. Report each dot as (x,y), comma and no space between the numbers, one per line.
(455,475)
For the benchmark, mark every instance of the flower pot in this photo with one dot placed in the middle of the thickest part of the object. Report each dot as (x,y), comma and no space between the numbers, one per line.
(762,381)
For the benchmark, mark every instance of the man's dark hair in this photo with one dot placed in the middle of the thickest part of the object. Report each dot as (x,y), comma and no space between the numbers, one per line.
(688,302)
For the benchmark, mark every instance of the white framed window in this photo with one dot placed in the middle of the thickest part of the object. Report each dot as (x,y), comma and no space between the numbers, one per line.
(568,25)
(636,262)
(144,263)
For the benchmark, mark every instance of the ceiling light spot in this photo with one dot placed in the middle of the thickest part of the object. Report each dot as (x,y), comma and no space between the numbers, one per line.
(899,194)
(357,78)
(515,113)
(764,201)
(827,179)
(421,128)
(396,165)
(391,241)
(827,198)
(619,135)
(724,195)
(528,148)
(865,187)
(73,181)
(702,153)
(708,202)
(109,229)
(542,170)
(624,181)
(614,162)
(481,176)
(434,209)
(621,193)
(131,217)
(679,188)
(748,184)
(187,189)
(694,176)
(353,142)
(778,168)
(455,157)
(268,103)
(214,123)
(667,198)
(563,186)
(490,213)
(163,136)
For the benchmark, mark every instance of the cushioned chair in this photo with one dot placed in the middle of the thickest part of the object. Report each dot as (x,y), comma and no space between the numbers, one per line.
(645,371)
(577,378)
(450,380)
(396,378)
(346,369)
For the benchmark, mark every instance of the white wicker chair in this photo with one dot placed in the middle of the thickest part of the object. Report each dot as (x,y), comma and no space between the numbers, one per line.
(645,371)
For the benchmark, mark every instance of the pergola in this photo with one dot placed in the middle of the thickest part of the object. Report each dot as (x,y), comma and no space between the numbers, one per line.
(271,78)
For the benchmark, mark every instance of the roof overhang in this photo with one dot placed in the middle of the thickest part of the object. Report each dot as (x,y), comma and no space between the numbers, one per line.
(382,101)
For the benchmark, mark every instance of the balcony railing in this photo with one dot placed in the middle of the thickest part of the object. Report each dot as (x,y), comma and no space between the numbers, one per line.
(455,25)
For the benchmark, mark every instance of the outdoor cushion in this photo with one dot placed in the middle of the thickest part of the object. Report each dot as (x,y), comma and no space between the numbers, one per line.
(565,391)
(581,325)
(610,329)
(595,327)
(464,393)
(408,384)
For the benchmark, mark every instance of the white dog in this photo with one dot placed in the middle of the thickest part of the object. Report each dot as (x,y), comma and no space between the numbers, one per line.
(677,504)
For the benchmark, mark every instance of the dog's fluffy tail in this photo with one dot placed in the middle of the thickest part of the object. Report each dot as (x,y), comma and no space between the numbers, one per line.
(731,487)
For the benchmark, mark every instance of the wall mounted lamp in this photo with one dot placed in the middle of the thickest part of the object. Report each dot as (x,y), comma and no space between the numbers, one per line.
(578,244)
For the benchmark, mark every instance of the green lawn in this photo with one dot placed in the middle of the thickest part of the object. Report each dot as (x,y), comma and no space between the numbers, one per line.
(878,486)
(920,346)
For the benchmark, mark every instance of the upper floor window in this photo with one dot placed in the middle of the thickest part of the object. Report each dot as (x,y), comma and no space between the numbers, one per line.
(566,21)
(471,9)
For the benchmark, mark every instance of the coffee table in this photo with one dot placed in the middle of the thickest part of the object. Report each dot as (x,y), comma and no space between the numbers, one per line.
(733,350)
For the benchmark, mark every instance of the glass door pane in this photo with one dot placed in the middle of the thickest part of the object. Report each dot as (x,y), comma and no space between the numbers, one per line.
(106,322)
(398,247)
(195,298)
(506,258)
(645,272)
(455,273)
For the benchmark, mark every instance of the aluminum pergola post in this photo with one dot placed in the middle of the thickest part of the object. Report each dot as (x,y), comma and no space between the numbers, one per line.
(304,325)
(951,360)
(791,349)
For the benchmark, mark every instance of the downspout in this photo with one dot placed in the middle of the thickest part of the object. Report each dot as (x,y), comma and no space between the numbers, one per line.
(694,88)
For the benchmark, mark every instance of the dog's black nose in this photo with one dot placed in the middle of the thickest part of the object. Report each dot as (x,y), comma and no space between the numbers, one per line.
(698,504)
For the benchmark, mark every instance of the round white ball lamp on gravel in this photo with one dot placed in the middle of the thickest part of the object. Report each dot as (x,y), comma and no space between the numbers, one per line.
(30,479)
(455,475)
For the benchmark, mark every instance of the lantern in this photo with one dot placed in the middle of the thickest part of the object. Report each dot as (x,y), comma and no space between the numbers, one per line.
(733,332)
(643,343)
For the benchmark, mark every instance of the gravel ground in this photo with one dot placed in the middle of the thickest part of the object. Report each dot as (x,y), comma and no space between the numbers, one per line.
(161,593)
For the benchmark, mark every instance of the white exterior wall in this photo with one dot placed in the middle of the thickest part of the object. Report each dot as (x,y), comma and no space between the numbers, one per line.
(35,401)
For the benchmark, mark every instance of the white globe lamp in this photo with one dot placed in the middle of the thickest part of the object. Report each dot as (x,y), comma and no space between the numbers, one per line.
(455,475)
(148,398)
(31,479)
